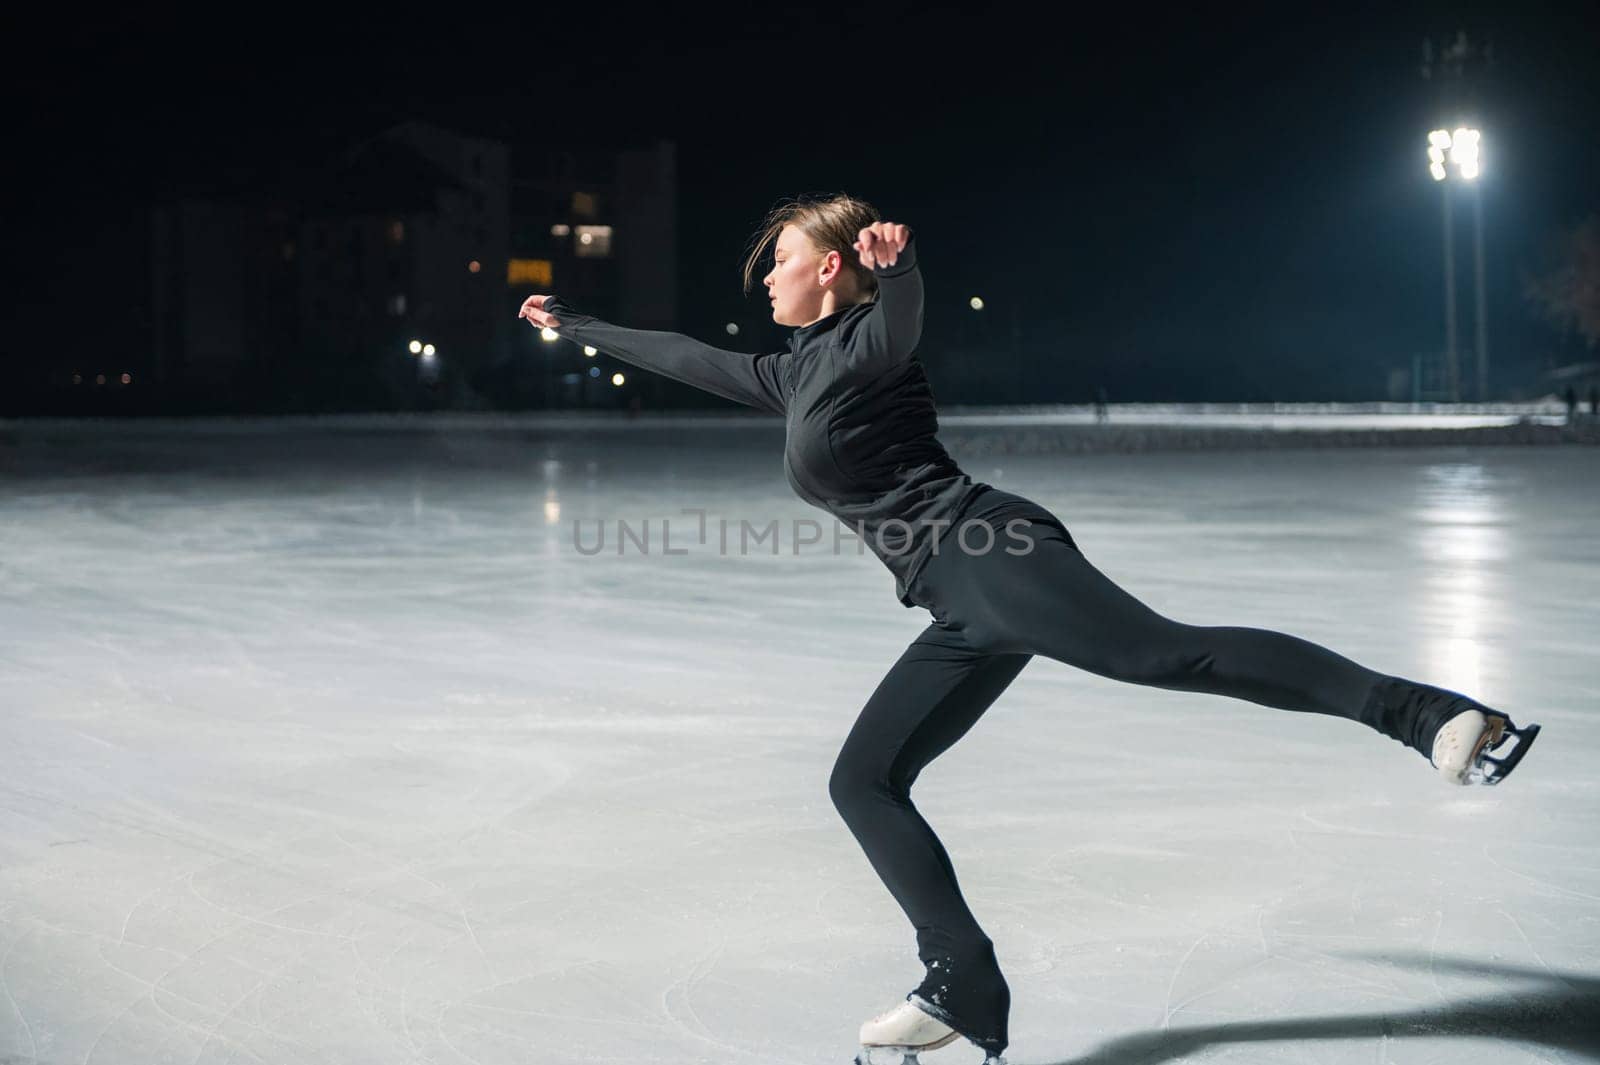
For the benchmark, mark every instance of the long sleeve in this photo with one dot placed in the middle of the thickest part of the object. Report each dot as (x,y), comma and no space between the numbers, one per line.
(749,379)
(888,334)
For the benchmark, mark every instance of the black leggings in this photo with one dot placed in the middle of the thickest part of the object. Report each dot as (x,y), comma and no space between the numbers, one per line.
(993,611)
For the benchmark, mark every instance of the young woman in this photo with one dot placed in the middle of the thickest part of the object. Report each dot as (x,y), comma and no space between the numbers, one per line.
(861,445)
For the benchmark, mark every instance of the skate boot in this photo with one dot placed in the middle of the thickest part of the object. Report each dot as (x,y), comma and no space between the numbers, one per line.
(896,1037)
(1461,749)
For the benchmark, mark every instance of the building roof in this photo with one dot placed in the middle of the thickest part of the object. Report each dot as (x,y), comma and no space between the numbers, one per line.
(381,175)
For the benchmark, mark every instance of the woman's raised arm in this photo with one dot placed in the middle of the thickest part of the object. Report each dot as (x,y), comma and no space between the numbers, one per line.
(889,334)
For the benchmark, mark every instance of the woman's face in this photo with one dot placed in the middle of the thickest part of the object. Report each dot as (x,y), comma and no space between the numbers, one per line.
(798,279)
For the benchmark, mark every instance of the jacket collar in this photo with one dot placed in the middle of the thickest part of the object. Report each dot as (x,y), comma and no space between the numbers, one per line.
(805,333)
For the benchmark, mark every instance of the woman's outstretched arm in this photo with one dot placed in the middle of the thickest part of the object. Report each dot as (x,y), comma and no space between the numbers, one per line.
(889,333)
(749,379)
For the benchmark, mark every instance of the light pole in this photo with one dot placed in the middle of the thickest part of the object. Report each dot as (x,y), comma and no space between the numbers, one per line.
(1461,149)
(1483,313)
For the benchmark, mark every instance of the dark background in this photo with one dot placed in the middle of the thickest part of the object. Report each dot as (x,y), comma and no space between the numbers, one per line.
(1221,205)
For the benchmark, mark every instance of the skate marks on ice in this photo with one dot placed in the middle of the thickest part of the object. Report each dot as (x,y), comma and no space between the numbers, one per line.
(1555,1010)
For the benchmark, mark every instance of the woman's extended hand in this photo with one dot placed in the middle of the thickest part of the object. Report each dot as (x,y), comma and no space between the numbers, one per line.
(533,311)
(881,243)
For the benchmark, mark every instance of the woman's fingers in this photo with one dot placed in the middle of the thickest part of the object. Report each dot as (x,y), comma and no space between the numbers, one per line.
(881,243)
(886,252)
(533,311)
(866,246)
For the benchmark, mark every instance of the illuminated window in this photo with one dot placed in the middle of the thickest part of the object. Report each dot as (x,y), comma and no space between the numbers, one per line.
(594,242)
(583,204)
(397,304)
(397,232)
(529,272)
(561,229)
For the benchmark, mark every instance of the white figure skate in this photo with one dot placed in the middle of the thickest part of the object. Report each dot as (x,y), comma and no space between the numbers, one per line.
(897,1036)
(900,1034)
(1461,749)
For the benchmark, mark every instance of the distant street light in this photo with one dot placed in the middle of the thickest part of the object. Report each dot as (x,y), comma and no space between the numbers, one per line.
(976,303)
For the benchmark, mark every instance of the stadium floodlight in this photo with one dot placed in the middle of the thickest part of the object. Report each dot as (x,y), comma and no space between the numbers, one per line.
(1464,153)
(1463,148)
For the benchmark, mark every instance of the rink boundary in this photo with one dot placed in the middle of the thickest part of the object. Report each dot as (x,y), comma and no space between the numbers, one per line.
(972,431)
(1539,411)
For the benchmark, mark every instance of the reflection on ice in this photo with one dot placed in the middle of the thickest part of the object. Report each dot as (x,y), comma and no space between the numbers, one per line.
(1462,542)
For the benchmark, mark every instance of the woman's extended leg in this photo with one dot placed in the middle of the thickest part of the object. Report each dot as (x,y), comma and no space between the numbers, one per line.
(1052,601)
(928,700)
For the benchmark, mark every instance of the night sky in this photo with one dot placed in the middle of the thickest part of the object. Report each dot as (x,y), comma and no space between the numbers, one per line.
(1177,208)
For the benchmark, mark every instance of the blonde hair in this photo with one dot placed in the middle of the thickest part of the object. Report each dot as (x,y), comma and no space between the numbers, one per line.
(832,224)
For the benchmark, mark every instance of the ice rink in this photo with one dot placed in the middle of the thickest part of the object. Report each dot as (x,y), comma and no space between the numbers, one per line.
(334,748)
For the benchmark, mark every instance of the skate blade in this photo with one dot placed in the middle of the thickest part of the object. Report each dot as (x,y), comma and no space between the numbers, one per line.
(896,1054)
(1490,770)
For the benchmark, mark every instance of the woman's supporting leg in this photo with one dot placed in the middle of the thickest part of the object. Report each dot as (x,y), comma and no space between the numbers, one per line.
(1052,601)
(927,701)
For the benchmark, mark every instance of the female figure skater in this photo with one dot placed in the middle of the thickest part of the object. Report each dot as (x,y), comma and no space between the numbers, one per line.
(861,445)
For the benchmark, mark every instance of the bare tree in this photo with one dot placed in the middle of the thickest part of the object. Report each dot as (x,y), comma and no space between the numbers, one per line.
(1568,293)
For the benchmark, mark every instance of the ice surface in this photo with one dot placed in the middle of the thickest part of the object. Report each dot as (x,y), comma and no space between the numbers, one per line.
(330,747)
